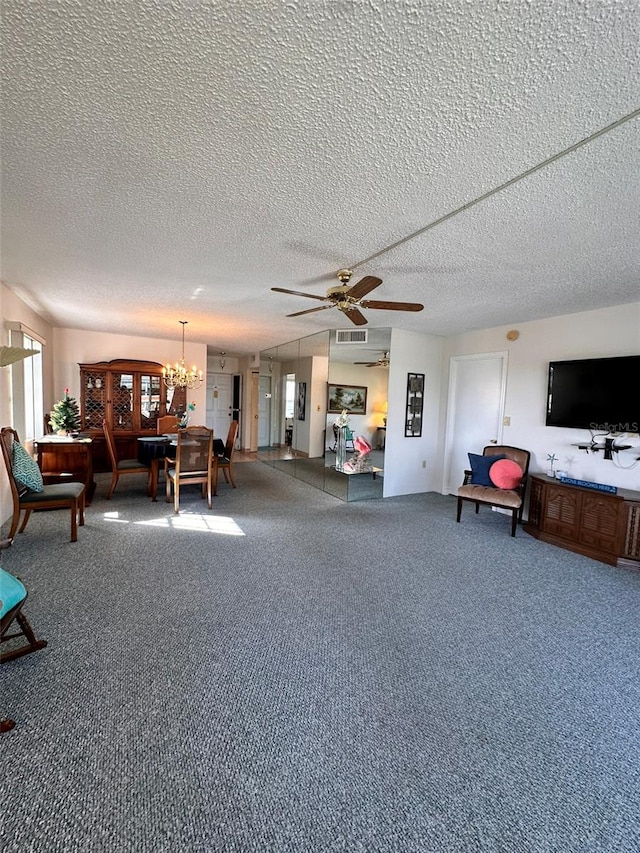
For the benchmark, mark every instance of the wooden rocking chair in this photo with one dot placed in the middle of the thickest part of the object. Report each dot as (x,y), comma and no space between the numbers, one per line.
(12,598)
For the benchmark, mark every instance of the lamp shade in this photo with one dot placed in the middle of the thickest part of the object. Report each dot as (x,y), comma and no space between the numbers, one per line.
(9,355)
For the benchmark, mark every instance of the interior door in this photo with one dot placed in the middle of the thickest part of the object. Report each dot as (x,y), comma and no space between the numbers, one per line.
(219,404)
(475,411)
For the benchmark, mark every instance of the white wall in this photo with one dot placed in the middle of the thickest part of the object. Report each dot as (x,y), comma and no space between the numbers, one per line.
(13,309)
(75,346)
(316,405)
(413,464)
(592,334)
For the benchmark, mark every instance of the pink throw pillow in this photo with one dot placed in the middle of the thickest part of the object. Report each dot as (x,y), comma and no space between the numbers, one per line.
(505,474)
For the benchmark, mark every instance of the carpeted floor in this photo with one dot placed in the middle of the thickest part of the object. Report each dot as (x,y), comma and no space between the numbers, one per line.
(290,672)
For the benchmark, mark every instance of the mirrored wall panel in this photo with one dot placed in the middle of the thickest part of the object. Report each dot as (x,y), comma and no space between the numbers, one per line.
(305,387)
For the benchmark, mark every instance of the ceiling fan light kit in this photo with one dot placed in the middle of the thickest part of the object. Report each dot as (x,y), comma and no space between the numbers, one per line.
(349,298)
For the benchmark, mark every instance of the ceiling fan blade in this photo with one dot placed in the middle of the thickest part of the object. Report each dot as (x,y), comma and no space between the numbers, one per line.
(355,316)
(364,286)
(310,311)
(393,306)
(299,293)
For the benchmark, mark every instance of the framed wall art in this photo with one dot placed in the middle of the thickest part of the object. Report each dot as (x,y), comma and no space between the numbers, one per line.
(415,405)
(301,405)
(353,398)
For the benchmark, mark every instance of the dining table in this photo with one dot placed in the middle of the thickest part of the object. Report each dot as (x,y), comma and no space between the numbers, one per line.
(153,449)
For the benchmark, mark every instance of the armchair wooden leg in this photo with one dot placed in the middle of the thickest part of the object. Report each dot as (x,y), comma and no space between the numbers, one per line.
(27,516)
(514,521)
(459,510)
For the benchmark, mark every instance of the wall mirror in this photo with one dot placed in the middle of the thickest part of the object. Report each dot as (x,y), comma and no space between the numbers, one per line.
(295,432)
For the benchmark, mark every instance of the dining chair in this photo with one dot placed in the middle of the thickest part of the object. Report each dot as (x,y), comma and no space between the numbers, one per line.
(224,461)
(167,424)
(120,467)
(28,491)
(192,464)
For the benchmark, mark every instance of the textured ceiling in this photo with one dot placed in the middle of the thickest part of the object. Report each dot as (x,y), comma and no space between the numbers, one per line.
(174,160)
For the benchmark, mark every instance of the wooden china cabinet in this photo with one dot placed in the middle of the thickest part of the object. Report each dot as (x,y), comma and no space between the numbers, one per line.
(130,395)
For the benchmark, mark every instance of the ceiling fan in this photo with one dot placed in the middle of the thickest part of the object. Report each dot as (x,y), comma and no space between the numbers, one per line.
(348,298)
(383,361)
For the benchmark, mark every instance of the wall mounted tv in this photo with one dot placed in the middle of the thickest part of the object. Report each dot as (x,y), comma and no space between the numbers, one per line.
(598,394)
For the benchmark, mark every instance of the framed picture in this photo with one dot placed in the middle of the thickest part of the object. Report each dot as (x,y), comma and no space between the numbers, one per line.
(301,406)
(415,405)
(353,398)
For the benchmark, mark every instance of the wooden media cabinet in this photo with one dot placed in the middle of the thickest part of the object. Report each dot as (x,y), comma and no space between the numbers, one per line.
(598,524)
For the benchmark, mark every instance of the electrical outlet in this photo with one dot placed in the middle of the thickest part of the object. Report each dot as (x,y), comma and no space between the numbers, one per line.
(506,421)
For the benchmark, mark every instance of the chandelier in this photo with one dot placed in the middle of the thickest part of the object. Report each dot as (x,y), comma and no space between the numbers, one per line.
(178,376)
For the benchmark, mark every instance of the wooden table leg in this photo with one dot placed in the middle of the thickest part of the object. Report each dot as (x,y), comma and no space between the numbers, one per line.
(155,469)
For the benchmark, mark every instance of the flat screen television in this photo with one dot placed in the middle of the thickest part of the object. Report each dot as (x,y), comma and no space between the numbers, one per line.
(598,394)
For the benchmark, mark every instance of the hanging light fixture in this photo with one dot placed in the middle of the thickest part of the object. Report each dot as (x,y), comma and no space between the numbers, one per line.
(178,376)
(223,360)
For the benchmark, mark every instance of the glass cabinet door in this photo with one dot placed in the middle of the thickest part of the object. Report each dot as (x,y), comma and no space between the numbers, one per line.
(150,400)
(94,395)
(122,398)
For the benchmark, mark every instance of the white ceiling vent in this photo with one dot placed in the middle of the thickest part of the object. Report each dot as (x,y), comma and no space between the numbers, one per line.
(351,336)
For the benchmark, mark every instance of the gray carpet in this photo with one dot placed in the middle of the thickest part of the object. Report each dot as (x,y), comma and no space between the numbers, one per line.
(293,673)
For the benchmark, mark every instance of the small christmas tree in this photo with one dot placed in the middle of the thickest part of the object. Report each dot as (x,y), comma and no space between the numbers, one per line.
(65,415)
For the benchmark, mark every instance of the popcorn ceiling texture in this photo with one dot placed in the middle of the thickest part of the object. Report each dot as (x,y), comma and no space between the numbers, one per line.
(165,159)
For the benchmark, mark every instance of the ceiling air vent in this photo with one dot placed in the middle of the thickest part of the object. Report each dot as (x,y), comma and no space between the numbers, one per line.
(351,336)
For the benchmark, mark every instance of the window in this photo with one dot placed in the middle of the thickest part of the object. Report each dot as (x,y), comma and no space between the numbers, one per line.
(290,395)
(26,384)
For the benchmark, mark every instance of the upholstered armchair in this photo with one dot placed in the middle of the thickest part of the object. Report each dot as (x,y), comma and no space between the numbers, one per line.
(497,478)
